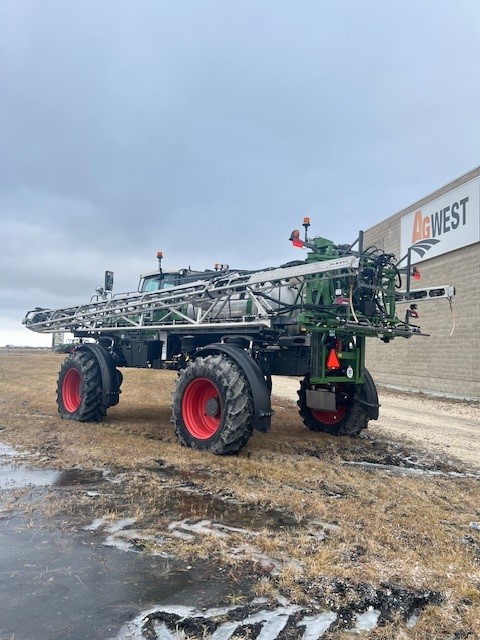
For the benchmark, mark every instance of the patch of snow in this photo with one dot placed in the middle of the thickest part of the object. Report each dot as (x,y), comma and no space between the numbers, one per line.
(183,535)
(6,451)
(119,543)
(203,527)
(272,622)
(118,525)
(224,527)
(326,525)
(133,630)
(266,562)
(391,468)
(187,530)
(367,621)
(118,479)
(315,626)
(122,538)
(95,525)
(413,619)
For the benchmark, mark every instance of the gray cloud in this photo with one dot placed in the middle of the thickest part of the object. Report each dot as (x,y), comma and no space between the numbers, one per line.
(209,129)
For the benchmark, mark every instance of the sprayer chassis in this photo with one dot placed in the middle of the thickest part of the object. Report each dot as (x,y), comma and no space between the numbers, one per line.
(228,333)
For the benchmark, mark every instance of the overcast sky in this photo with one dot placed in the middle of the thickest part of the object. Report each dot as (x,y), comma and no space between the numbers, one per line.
(209,129)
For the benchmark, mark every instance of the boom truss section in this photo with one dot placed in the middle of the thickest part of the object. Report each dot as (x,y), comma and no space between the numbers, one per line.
(203,304)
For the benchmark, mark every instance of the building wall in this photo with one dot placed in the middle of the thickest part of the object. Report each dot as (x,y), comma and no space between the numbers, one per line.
(444,363)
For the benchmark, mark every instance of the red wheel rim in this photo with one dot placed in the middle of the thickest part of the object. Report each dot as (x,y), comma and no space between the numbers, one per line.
(201,408)
(330,417)
(71,390)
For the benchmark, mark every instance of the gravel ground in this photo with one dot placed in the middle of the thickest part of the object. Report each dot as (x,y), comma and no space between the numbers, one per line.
(447,427)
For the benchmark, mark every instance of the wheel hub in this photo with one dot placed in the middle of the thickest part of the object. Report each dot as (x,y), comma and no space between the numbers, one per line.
(212,407)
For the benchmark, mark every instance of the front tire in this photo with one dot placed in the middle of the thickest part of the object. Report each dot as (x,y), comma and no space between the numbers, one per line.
(349,419)
(79,388)
(212,406)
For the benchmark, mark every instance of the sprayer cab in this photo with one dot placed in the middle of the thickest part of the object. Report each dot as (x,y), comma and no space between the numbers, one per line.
(162,280)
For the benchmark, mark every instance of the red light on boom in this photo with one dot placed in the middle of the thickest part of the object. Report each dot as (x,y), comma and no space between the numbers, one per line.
(295,238)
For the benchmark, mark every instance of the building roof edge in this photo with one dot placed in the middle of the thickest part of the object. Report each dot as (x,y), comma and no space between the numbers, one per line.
(457,182)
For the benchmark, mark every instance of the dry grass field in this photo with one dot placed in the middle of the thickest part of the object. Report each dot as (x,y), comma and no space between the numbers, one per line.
(306,521)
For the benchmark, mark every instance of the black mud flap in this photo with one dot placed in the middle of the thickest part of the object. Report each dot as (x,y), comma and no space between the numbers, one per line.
(110,386)
(371,403)
(262,406)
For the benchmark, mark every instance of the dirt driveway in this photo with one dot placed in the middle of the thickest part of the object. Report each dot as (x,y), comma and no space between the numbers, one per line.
(440,426)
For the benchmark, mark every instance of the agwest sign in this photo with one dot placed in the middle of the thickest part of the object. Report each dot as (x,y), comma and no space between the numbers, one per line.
(447,223)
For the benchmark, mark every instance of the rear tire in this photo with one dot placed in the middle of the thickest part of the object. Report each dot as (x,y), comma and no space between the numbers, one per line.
(349,420)
(79,388)
(212,406)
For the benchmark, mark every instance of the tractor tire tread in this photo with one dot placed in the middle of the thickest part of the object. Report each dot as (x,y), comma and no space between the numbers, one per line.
(237,423)
(91,408)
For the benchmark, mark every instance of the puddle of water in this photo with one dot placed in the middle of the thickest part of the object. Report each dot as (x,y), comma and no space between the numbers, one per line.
(16,477)
(72,477)
(59,585)
(189,504)
(74,587)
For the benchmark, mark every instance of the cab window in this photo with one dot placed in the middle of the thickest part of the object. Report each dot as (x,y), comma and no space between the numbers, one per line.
(159,282)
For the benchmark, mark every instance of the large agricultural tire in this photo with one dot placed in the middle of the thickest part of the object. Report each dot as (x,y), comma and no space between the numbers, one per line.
(79,388)
(212,406)
(349,419)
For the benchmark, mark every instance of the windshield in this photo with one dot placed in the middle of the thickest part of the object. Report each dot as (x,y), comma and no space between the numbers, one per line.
(158,281)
